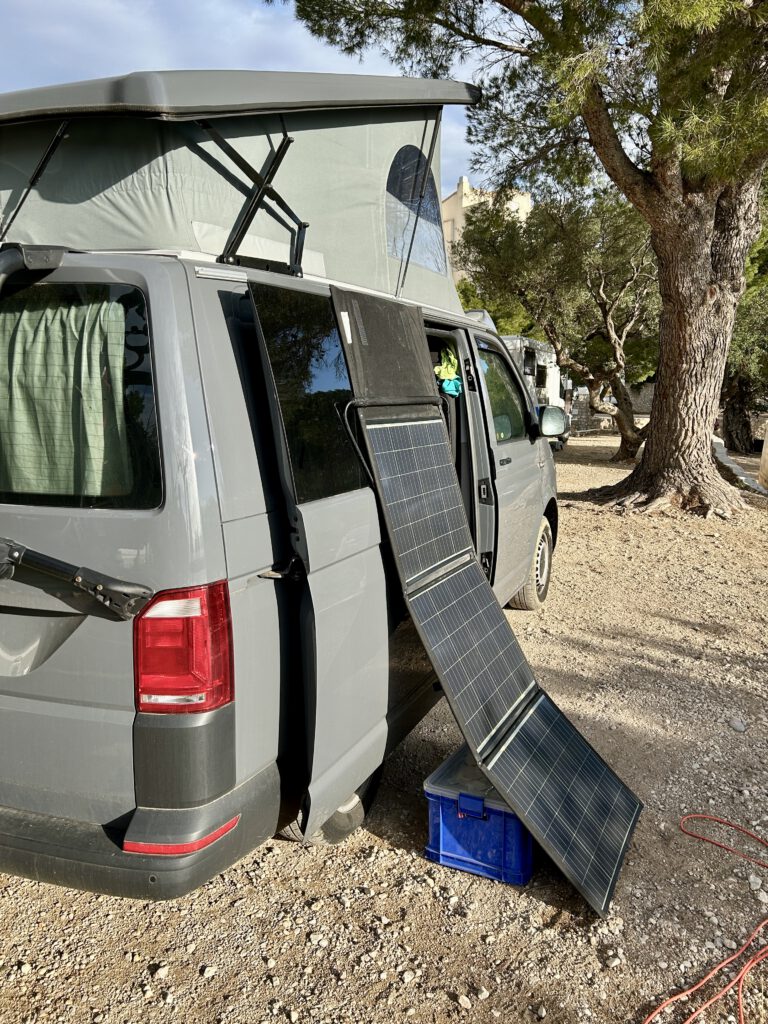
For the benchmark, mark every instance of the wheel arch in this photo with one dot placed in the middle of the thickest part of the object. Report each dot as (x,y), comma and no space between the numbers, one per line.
(551,515)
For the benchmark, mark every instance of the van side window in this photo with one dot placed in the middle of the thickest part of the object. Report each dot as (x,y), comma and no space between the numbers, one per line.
(507,407)
(304,347)
(78,425)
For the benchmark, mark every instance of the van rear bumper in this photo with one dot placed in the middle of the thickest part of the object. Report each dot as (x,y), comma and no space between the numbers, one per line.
(90,856)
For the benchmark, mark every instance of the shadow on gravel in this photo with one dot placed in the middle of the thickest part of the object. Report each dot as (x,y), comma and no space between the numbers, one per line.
(590,455)
(584,496)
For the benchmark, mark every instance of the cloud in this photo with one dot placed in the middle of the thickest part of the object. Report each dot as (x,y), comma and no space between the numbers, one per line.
(50,41)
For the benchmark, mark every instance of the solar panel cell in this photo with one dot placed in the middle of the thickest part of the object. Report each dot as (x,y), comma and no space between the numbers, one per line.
(575,806)
(476,654)
(420,494)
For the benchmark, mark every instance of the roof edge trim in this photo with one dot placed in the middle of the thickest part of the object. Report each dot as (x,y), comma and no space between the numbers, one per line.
(188,95)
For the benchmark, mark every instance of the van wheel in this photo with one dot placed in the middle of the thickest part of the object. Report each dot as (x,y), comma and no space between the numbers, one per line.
(345,820)
(534,593)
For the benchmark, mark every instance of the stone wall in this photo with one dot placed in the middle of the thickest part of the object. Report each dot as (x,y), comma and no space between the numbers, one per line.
(642,398)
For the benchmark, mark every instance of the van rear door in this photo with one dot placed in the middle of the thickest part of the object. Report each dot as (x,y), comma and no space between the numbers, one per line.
(84,386)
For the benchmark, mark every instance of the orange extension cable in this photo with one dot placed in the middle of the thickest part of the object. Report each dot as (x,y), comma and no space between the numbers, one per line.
(754,960)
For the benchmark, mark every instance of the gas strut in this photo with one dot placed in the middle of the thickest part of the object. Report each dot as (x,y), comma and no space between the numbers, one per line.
(125,600)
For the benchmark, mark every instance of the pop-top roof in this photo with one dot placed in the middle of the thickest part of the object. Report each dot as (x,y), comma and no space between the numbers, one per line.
(186,95)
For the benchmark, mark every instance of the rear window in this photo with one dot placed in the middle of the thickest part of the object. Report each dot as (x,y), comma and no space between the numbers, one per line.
(78,425)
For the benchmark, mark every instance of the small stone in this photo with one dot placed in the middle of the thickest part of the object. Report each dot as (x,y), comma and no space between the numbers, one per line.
(729,944)
(207,970)
(464,1002)
(407,977)
(293,1016)
(97,1018)
(663,965)
(191,947)
(161,972)
(168,998)
(762,895)
(25,968)
(755,882)
(541,1013)
(613,962)
(315,938)
(737,725)
(410,1012)
(483,993)
(271,963)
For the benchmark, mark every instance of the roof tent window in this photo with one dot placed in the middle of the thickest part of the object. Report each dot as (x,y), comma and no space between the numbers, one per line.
(404,185)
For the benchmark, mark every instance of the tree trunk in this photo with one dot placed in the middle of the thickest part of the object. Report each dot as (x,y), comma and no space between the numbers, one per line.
(737,423)
(701,248)
(631,437)
(622,414)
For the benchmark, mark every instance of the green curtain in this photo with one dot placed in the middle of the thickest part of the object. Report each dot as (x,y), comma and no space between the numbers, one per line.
(62,422)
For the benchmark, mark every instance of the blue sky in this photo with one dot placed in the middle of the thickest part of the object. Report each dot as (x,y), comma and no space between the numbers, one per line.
(50,41)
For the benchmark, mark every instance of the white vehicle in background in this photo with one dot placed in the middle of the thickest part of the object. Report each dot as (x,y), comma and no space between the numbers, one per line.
(537,362)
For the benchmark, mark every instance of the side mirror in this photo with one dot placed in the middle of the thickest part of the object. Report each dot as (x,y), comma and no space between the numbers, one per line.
(552,421)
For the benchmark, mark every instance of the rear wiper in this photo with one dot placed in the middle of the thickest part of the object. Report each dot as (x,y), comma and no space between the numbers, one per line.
(125,600)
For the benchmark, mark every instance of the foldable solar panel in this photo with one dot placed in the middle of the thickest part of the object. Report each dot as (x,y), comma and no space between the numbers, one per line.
(575,806)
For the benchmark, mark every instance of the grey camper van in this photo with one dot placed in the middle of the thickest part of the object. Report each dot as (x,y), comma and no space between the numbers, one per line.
(201,639)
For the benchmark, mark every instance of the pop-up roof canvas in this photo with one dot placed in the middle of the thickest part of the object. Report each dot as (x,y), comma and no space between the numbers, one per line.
(139,182)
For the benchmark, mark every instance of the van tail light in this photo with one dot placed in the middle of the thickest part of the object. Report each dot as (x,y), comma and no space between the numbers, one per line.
(182,651)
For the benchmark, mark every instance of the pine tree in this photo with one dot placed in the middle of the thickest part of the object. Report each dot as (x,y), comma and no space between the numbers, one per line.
(671,98)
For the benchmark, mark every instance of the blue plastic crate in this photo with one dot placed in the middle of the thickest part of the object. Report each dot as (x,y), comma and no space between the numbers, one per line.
(470,826)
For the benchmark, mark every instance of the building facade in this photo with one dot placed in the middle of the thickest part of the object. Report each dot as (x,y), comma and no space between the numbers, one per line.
(456,205)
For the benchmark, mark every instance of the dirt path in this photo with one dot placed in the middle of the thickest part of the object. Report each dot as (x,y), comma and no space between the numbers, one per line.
(654,641)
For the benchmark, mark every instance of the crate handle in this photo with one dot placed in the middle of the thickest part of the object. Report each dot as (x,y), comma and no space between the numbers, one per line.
(471,806)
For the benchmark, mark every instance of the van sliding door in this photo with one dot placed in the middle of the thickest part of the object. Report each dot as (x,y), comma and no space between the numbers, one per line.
(335,536)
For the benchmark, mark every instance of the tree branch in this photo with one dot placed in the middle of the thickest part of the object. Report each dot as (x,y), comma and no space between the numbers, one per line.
(480,40)
(636,184)
(535,16)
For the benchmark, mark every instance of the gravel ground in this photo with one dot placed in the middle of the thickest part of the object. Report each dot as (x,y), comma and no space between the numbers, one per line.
(654,641)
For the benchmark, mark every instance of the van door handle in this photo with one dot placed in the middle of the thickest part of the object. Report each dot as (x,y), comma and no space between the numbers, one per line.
(505,462)
(292,571)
